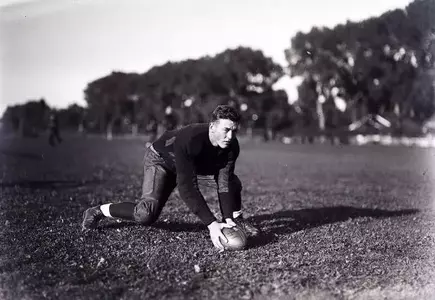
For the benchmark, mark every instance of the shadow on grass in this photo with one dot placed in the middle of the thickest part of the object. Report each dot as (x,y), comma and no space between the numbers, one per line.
(167,226)
(179,226)
(289,221)
(282,222)
(49,184)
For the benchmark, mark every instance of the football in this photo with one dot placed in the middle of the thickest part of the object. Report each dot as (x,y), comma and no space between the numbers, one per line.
(237,239)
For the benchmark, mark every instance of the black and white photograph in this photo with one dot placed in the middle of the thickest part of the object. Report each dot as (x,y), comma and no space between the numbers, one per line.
(232,149)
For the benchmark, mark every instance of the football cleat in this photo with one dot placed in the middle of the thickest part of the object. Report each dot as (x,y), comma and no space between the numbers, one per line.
(91,217)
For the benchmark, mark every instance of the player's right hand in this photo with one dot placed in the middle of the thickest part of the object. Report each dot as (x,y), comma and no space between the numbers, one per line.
(215,229)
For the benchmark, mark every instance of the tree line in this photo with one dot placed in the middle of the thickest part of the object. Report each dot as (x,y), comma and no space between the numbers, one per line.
(380,66)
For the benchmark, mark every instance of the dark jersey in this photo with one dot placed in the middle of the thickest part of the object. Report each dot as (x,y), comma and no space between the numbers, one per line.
(188,152)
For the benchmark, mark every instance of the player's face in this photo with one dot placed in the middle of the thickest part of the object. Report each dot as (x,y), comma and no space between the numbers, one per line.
(223,131)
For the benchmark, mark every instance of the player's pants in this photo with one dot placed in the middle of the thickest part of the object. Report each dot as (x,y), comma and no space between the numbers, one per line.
(158,184)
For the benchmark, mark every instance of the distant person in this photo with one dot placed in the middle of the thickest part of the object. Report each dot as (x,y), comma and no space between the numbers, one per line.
(196,155)
(53,127)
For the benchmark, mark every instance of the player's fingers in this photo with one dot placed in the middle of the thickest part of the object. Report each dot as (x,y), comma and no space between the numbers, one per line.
(217,244)
(223,237)
(225,225)
(230,222)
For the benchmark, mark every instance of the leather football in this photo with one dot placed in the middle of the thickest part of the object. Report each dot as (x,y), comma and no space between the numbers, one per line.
(237,239)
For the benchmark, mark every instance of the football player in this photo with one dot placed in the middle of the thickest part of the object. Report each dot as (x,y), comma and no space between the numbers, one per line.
(196,155)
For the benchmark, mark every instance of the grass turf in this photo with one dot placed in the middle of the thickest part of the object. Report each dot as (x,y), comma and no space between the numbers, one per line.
(339,223)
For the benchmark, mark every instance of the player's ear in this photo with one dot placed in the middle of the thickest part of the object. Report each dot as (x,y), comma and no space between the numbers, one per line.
(212,125)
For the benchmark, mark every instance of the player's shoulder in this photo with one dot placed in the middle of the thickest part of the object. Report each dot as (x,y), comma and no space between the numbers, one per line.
(235,143)
(192,135)
(193,131)
(235,147)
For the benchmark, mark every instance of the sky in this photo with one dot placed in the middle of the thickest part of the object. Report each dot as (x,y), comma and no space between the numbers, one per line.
(52,49)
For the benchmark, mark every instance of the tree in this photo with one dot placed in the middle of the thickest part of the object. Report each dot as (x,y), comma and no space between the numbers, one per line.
(192,88)
(72,117)
(112,100)
(28,119)
(372,65)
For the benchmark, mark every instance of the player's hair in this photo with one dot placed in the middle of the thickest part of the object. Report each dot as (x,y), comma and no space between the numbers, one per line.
(225,112)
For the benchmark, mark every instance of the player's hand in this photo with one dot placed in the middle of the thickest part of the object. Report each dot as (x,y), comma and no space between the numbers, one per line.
(215,229)
(230,222)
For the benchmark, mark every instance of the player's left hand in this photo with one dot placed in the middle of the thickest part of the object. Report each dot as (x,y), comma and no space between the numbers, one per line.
(230,222)
(216,234)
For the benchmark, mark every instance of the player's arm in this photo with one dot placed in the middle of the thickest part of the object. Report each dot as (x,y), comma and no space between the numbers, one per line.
(189,192)
(226,198)
(188,184)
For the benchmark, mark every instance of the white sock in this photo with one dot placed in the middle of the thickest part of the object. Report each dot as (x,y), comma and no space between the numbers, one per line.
(237,214)
(105,209)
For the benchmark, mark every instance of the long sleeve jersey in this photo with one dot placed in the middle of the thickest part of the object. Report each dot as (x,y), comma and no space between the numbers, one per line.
(188,152)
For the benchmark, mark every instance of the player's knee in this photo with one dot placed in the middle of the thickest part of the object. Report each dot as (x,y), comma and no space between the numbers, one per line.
(144,218)
(145,213)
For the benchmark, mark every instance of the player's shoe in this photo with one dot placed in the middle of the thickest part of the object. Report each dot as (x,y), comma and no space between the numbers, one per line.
(91,217)
(246,226)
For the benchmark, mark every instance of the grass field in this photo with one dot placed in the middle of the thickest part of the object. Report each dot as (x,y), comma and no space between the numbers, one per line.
(339,222)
